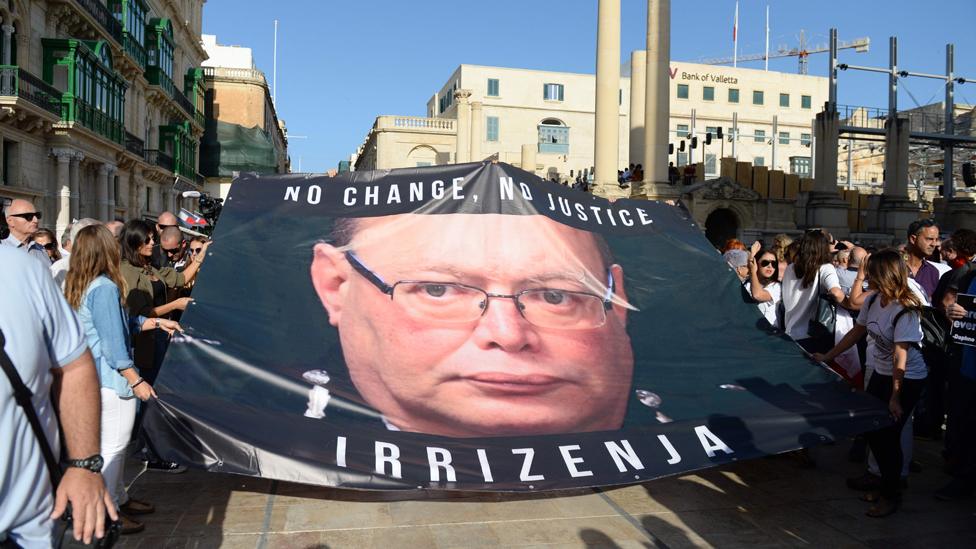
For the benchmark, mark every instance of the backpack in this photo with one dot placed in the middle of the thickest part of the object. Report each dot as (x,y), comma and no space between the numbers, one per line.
(935,329)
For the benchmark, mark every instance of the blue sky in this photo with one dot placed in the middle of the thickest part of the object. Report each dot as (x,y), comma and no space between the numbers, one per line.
(341,63)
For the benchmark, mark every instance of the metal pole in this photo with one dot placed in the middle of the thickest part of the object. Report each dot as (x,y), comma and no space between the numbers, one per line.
(766,57)
(274,70)
(775,140)
(735,35)
(735,136)
(850,162)
(892,76)
(691,136)
(813,148)
(947,181)
(832,94)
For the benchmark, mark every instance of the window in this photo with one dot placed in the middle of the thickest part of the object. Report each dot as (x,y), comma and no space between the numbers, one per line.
(757,97)
(784,138)
(682,91)
(710,165)
(805,139)
(553,137)
(733,95)
(682,130)
(784,100)
(148,198)
(11,163)
(805,101)
(423,164)
(800,165)
(552,92)
(492,87)
(759,136)
(491,127)
(759,161)
(682,158)
(708,93)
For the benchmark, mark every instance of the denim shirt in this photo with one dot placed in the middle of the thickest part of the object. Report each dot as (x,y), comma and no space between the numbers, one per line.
(107,327)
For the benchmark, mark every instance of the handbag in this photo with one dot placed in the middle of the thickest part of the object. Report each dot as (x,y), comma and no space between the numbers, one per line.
(63,532)
(824,319)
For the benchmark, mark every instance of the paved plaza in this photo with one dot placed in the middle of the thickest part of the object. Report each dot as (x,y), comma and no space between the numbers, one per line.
(771,502)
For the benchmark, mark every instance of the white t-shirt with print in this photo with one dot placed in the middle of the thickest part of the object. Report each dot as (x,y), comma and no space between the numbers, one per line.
(768,308)
(883,335)
(799,303)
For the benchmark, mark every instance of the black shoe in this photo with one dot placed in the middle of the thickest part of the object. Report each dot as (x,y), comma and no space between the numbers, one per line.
(171,467)
(956,489)
(865,483)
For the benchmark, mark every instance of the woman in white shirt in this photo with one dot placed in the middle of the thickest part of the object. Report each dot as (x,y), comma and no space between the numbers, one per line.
(763,283)
(810,276)
(891,317)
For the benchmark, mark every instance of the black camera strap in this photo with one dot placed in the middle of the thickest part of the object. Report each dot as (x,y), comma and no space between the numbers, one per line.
(23,396)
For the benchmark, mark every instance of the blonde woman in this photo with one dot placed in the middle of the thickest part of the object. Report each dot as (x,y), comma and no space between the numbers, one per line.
(891,317)
(780,243)
(94,288)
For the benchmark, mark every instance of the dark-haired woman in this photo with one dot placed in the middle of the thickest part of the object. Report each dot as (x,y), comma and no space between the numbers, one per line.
(148,287)
(808,277)
(763,284)
(46,239)
(891,317)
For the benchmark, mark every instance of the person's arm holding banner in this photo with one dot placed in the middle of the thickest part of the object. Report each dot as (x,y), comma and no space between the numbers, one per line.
(899,359)
(856,333)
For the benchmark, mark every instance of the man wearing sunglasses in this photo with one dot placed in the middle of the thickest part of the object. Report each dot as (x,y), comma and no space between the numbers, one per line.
(23,220)
(477,324)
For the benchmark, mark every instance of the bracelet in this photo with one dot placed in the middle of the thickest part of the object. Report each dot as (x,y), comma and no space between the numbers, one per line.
(136,384)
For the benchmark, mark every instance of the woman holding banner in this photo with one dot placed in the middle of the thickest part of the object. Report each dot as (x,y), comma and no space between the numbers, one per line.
(891,316)
(807,279)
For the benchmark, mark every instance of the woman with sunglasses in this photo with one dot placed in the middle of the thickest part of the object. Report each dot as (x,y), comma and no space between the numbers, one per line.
(46,239)
(763,284)
(94,287)
(148,287)
(890,315)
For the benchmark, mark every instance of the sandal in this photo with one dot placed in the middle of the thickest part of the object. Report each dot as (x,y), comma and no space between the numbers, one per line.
(883,508)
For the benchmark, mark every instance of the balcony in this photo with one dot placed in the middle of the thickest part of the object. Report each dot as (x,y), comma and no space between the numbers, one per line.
(159,158)
(134,50)
(157,77)
(553,148)
(16,82)
(415,123)
(103,16)
(184,103)
(135,145)
(98,121)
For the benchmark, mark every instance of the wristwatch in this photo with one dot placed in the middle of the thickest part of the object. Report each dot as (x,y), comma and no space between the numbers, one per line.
(92,463)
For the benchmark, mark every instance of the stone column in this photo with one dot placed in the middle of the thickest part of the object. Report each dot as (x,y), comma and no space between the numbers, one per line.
(75,182)
(62,190)
(102,193)
(477,131)
(528,157)
(657,105)
(825,208)
(896,211)
(463,145)
(8,32)
(638,64)
(606,141)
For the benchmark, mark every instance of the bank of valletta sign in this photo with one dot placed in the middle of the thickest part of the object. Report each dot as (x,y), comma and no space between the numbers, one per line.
(715,78)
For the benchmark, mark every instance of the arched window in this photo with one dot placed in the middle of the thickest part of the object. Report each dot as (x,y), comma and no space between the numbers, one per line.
(553,137)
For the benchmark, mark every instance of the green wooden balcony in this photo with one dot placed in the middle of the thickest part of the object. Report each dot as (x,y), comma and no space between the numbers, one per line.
(17,83)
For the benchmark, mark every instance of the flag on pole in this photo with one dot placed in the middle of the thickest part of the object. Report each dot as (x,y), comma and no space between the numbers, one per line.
(735,38)
(192,220)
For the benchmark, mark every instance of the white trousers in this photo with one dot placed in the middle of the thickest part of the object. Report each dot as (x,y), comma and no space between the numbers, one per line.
(118,418)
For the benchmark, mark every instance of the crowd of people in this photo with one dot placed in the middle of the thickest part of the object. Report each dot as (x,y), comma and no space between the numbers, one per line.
(89,317)
(880,318)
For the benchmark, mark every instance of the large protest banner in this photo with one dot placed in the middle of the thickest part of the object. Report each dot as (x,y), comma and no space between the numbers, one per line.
(474,327)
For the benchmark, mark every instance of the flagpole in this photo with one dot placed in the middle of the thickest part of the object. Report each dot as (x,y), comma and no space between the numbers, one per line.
(766,57)
(274,73)
(735,35)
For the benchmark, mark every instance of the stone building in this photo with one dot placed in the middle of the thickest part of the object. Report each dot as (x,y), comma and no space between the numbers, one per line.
(243,131)
(101,106)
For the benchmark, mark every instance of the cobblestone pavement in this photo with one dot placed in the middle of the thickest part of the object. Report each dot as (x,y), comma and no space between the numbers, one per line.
(771,502)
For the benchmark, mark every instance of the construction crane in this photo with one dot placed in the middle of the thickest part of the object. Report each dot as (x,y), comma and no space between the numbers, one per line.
(859,45)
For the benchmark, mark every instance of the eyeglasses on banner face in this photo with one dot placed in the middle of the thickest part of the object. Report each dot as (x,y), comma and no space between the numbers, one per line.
(767,263)
(452,302)
(28,216)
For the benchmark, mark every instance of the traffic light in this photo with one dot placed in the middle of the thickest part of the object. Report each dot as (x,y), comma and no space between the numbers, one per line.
(708,138)
(694,142)
(681,147)
(719,134)
(670,148)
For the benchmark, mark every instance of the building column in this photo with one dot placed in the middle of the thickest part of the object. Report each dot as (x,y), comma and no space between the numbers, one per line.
(657,105)
(528,157)
(638,64)
(825,208)
(8,32)
(74,179)
(463,147)
(606,142)
(62,190)
(896,210)
(102,193)
(477,130)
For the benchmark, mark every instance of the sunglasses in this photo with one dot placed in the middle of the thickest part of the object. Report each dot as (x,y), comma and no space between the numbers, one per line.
(173,251)
(166,226)
(196,250)
(29,216)
(767,263)
(49,246)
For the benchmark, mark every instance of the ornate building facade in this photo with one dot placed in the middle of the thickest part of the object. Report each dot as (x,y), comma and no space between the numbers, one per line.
(101,106)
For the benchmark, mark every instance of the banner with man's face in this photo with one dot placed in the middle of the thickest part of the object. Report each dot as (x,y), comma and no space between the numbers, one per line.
(473,327)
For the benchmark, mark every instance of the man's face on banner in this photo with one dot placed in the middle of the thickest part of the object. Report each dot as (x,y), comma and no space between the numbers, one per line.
(545,351)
